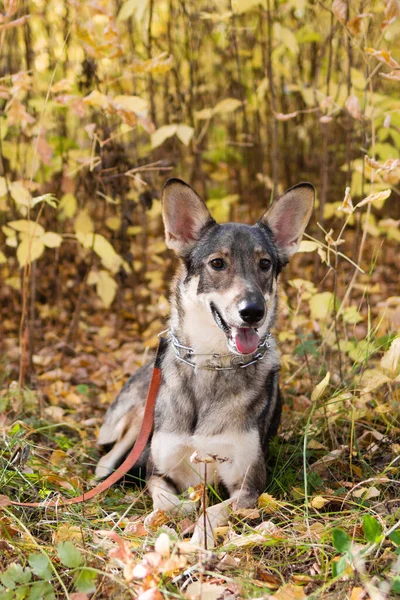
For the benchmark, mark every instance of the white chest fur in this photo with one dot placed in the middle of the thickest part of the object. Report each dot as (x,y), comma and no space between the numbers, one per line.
(232,455)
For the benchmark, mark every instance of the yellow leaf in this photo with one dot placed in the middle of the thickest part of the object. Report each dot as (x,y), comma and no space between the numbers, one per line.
(320,388)
(185,133)
(113,223)
(268,503)
(318,502)
(130,103)
(68,205)
(390,359)
(287,37)
(162,134)
(290,592)
(83,223)
(372,379)
(110,259)
(351,315)
(203,115)
(3,258)
(3,186)
(307,246)
(51,239)
(106,288)
(97,99)
(29,250)
(226,106)
(321,305)
(20,194)
(25,226)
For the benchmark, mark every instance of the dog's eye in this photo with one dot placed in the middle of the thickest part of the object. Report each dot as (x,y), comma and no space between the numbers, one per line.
(218,264)
(265,264)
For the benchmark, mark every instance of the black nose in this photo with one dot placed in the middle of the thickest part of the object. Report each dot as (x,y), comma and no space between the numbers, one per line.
(251,312)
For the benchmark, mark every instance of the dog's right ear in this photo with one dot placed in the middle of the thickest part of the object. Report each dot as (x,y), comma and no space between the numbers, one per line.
(185,215)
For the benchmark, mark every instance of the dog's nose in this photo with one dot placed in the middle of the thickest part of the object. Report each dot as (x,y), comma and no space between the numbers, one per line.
(251,312)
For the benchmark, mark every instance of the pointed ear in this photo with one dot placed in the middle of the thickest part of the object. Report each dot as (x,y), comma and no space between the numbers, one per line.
(185,215)
(288,217)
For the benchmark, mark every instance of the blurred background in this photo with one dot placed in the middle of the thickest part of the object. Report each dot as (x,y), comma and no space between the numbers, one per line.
(102,101)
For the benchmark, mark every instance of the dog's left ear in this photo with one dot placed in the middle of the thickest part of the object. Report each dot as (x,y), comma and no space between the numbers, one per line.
(185,216)
(288,217)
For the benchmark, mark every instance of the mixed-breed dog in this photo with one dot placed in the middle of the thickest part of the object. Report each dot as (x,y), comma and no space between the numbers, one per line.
(219,395)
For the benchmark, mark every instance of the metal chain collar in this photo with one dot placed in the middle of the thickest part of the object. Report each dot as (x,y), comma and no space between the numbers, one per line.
(185,354)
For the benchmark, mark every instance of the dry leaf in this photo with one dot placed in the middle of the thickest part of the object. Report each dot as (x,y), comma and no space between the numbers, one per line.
(320,388)
(339,9)
(352,105)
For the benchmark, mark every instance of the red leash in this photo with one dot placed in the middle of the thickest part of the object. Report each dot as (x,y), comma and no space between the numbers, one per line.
(134,454)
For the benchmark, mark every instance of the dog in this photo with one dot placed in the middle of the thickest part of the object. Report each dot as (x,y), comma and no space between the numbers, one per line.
(219,397)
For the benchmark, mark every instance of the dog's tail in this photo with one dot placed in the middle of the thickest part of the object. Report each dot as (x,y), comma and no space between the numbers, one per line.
(122,434)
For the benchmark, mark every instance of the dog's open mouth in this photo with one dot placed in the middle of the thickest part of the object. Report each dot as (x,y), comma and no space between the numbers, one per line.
(244,340)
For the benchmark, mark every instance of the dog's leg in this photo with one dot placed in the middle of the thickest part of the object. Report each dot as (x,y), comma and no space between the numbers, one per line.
(244,493)
(165,498)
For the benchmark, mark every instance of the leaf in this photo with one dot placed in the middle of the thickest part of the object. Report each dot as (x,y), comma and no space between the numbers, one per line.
(68,205)
(204,590)
(83,223)
(3,258)
(40,566)
(97,100)
(131,104)
(285,117)
(110,259)
(390,360)
(162,134)
(25,226)
(307,246)
(392,11)
(321,305)
(319,502)
(320,388)
(339,9)
(29,250)
(339,566)
(226,106)
(340,539)
(366,493)
(86,581)
(352,105)
(49,199)
(378,197)
(372,529)
(15,574)
(289,591)
(106,288)
(69,555)
(185,133)
(286,37)
(51,239)
(383,56)
(133,7)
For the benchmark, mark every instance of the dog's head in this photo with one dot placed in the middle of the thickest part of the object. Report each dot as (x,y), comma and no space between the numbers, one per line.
(235,266)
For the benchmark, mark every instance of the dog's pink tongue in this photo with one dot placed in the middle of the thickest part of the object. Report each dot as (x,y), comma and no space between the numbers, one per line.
(246,340)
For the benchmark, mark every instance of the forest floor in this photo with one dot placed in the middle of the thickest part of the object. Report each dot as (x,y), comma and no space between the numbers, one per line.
(327,524)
